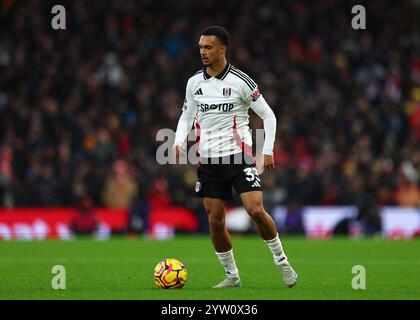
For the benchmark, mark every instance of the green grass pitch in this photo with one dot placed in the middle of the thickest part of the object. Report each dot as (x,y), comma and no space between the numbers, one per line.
(122,268)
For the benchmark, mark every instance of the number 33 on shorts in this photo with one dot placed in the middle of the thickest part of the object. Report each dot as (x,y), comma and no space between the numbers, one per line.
(252,176)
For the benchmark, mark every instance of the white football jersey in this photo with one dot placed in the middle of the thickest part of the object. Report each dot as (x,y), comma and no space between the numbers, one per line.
(218,106)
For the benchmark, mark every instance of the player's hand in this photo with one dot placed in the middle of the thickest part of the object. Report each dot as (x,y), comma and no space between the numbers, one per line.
(268,162)
(177,151)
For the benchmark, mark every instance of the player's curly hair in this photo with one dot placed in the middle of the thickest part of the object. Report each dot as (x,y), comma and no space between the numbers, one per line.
(221,33)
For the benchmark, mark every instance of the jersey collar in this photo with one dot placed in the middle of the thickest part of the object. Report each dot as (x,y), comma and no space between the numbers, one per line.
(220,76)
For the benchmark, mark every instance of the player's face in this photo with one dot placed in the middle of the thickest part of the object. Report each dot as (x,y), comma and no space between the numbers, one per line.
(211,50)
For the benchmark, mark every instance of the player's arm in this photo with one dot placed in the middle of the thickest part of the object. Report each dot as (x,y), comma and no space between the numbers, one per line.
(263,110)
(189,109)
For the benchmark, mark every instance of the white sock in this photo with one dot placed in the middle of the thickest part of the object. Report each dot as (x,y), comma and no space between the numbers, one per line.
(228,262)
(277,250)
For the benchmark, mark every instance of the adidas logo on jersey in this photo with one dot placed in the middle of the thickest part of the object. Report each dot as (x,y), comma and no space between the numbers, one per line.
(256,184)
(199,92)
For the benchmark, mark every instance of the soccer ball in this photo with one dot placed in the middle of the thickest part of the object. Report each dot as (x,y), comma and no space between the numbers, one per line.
(170,274)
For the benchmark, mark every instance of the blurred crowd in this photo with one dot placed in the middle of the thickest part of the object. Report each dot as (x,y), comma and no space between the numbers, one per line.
(80,108)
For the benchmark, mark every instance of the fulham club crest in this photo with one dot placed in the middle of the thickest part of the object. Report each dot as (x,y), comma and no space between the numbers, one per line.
(227,92)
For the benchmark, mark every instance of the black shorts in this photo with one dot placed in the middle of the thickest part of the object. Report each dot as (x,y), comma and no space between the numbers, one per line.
(217,176)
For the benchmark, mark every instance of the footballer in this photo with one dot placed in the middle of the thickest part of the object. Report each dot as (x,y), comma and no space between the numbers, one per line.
(217,102)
